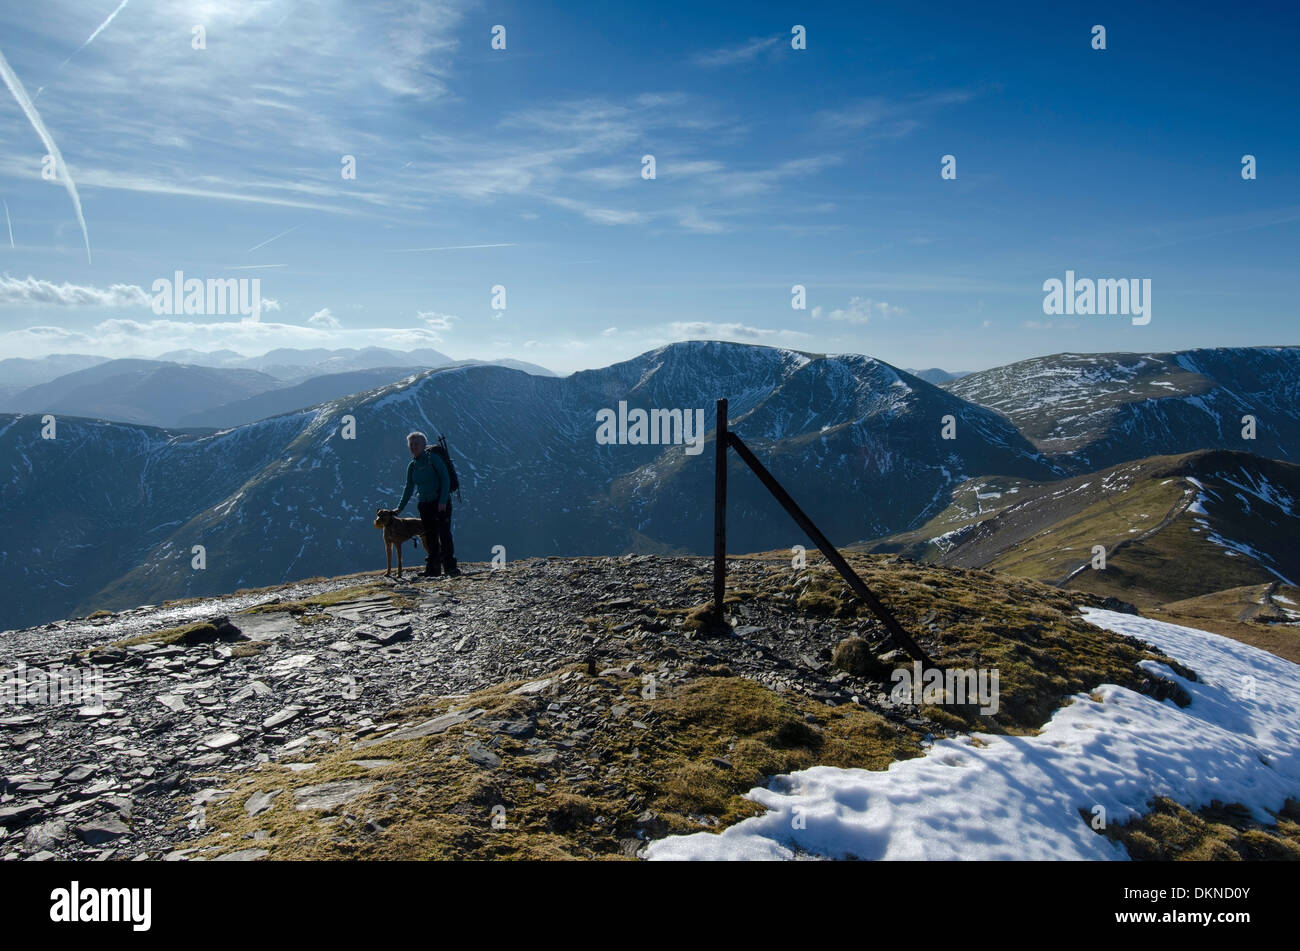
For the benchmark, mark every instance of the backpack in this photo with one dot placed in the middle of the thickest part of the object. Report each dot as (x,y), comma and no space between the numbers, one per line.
(441,450)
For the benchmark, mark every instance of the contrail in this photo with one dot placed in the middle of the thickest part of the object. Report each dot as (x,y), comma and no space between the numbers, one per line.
(16,87)
(10,223)
(103,26)
(41,89)
(269,240)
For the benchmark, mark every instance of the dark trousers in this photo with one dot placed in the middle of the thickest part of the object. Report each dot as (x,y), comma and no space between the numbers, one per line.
(437,534)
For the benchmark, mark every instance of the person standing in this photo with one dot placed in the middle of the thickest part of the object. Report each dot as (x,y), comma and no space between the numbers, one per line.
(428,474)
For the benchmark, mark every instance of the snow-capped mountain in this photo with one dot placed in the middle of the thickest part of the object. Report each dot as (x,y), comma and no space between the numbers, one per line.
(109,514)
(1089,411)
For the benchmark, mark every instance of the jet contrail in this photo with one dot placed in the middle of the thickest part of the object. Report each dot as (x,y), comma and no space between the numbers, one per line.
(99,30)
(269,240)
(90,39)
(16,87)
(9,222)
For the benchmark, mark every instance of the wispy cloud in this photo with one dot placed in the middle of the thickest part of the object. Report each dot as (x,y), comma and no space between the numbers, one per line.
(20,94)
(459,247)
(324,318)
(886,118)
(740,53)
(10,223)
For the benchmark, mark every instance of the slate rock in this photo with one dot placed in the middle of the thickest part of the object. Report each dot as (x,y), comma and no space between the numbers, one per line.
(481,755)
(259,802)
(243,855)
(101,830)
(20,815)
(47,835)
(516,729)
(327,797)
(218,741)
(287,715)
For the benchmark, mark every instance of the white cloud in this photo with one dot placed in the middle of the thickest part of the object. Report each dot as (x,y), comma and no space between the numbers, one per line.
(124,337)
(736,331)
(34,291)
(860,310)
(323,318)
(435,320)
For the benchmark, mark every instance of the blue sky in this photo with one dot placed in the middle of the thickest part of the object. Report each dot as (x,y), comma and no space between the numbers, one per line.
(774,167)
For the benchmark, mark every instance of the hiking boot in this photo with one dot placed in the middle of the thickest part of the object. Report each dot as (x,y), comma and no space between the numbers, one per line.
(431,571)
(451,571)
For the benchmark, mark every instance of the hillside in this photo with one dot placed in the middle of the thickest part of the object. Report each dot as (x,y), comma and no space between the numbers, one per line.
(858,442)
(1091,411)
(1173,528)
(577,707)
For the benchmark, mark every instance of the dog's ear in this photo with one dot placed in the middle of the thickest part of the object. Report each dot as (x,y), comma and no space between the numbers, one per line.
(378,512)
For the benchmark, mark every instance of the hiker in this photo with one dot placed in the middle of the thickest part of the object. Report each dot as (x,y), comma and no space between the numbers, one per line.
(428,472)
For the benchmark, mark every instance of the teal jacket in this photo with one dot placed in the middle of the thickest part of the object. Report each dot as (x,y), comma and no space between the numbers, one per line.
(428,473)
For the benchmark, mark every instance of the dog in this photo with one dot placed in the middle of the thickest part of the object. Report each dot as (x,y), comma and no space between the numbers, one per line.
(396,531)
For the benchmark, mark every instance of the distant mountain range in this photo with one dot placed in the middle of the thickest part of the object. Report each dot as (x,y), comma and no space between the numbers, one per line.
(190,388)
(936,376)
(108,514)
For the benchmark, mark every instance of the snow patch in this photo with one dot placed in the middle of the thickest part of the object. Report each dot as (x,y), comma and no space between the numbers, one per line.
(1020,797)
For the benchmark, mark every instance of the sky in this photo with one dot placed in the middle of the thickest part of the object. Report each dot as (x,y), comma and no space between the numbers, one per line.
(220,152)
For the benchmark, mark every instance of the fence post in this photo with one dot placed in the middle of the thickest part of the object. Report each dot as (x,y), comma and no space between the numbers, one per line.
(720,512)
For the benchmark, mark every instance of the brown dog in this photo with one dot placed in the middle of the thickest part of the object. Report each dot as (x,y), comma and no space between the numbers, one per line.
(396,531)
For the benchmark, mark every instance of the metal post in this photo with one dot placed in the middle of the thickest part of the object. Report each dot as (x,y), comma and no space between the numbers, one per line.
(720,512)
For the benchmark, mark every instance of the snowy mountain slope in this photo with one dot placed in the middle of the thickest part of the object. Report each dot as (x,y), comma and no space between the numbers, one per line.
(1090,411)
(1034,797)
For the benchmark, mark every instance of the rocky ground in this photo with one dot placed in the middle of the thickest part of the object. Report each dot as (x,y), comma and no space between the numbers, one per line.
(201,697)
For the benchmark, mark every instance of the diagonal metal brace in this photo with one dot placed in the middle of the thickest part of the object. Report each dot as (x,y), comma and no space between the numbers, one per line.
(896,631)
